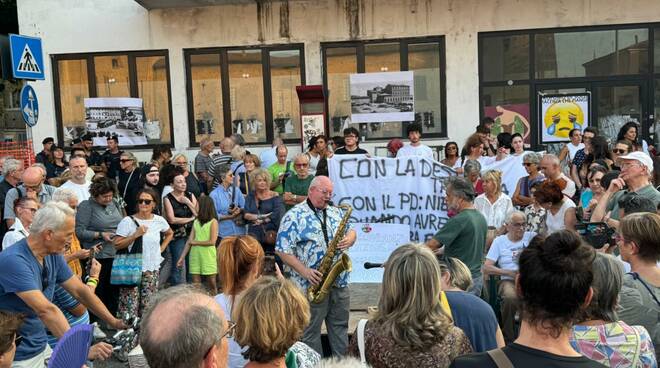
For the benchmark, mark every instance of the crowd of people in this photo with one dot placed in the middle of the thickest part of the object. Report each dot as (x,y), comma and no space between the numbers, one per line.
(227,246)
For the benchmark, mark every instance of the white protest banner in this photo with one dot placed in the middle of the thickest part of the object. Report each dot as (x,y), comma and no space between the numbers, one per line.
(512,170)
(375,243)
(411,189)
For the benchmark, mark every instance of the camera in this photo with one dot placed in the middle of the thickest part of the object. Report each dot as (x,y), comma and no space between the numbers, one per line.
(232,206)
(597,234)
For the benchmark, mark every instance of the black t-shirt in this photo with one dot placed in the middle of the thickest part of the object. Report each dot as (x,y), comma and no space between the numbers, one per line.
(344,151)
(111,161)
(522,357)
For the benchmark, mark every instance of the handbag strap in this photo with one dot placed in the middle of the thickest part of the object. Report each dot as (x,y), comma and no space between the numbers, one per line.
(360,331)
(635,276)
(500,358)
(137,244)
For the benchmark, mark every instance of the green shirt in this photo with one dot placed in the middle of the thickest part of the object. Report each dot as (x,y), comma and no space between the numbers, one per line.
(297,186)
(646,192)
(275,170)
(464,237)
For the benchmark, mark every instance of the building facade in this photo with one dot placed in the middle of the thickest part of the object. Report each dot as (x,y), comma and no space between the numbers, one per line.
(233,66)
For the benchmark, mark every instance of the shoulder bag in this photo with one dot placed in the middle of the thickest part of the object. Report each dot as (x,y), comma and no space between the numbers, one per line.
(499,357)
(127,265)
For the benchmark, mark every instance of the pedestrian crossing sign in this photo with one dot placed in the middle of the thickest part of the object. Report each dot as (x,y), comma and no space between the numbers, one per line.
(27,61)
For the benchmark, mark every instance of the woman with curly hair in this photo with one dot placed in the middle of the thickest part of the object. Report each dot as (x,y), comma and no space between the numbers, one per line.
(411,325)
(270,319)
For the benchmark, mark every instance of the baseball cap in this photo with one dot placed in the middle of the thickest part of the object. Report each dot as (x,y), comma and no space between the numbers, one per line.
(640,156)
(48,140)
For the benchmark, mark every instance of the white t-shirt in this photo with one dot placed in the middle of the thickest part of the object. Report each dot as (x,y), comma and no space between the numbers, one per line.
(235,359)
(569,191)
(151,258)
(506,253)
(422,150)
(556,222)
(16,232)
(82,190)
(572,149)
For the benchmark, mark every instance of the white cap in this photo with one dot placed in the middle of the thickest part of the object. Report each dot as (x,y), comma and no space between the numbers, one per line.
(640,156)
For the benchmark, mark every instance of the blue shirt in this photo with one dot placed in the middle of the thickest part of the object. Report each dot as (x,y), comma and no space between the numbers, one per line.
(65,301)
(222,199)
(475,317)
(22,272)
(301,235)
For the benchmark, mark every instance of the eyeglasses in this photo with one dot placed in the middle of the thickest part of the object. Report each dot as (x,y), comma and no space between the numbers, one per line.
(33,210)
(32,187)
(528,164)
(180,163)
(144,201)
(231,328)
(619,151)
(301,165)
(325,192)
(517,224)
(625,165)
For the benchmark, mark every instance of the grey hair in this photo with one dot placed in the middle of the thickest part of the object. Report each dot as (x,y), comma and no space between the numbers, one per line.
(509,216)
(532,157)
(238,152)
(50,217)
(552,158)
(471,166)
(41,166)
(461,187)
(11,165)
(301,156)
(193,329)
(65,195)
(130,156)
(608,278)
(343,362)
(317,181)
(221,171)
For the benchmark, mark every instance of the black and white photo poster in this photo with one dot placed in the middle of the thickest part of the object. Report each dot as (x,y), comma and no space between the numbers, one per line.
(382,97)
(115,116)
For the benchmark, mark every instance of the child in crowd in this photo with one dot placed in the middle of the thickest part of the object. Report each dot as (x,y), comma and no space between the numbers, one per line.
(201,245)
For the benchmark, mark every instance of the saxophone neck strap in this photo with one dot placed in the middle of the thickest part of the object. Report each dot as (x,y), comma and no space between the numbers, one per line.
(324,221)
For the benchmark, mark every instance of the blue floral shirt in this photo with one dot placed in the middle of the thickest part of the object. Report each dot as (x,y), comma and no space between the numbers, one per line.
(222,200)
(301,235)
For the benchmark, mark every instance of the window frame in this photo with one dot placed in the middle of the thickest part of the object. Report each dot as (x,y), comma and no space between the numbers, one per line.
(91,85)
(359,45)
(224,79)
(534,82)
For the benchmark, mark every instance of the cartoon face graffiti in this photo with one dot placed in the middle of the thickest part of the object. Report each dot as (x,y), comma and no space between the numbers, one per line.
(561,117)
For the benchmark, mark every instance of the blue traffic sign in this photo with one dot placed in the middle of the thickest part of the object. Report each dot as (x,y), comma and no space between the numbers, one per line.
(27,59)
(29,106)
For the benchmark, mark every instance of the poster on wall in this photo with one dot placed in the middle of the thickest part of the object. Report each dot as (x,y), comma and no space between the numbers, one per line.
(115,116)
(559,114)
(382,97)
(312,125)
(512,119)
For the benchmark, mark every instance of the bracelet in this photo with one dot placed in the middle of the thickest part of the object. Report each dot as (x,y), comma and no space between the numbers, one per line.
(92,282)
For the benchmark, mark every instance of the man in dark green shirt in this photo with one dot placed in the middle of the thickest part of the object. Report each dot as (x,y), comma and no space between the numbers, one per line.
(464,235)
(297,185)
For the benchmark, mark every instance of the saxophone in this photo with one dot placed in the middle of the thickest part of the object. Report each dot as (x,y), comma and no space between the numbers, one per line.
(330,271)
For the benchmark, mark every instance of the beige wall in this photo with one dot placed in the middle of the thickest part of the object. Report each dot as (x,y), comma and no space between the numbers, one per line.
(71,26)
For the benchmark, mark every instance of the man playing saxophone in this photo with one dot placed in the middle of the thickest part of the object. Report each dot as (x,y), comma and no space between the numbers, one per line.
(302,242)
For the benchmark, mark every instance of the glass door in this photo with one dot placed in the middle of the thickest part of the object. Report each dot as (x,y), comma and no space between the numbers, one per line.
(618,103)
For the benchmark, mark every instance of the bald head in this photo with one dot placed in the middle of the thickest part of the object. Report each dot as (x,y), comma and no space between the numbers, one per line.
(550,166)
(226,145)
(320,191)
(32,176)
(195,325)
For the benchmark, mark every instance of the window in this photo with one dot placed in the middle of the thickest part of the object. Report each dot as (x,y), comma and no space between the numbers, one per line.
(656,49)
(249,91)
(423,56)
(206,88)
(139,74)
(593,53)
(505,58)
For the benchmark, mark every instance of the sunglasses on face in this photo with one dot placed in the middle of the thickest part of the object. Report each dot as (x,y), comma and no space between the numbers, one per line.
(145,201)
(527,164)
(123,161)
(619,151)
(301,165)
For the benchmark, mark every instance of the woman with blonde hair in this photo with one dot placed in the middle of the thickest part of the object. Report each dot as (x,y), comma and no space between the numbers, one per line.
(240,260)
(192,182)
(410,325)
(251,162)
(270,319)
(493,204)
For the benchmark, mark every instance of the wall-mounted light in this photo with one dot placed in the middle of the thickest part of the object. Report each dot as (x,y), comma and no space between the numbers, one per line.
(384,69)
(246,75)
(112,80)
